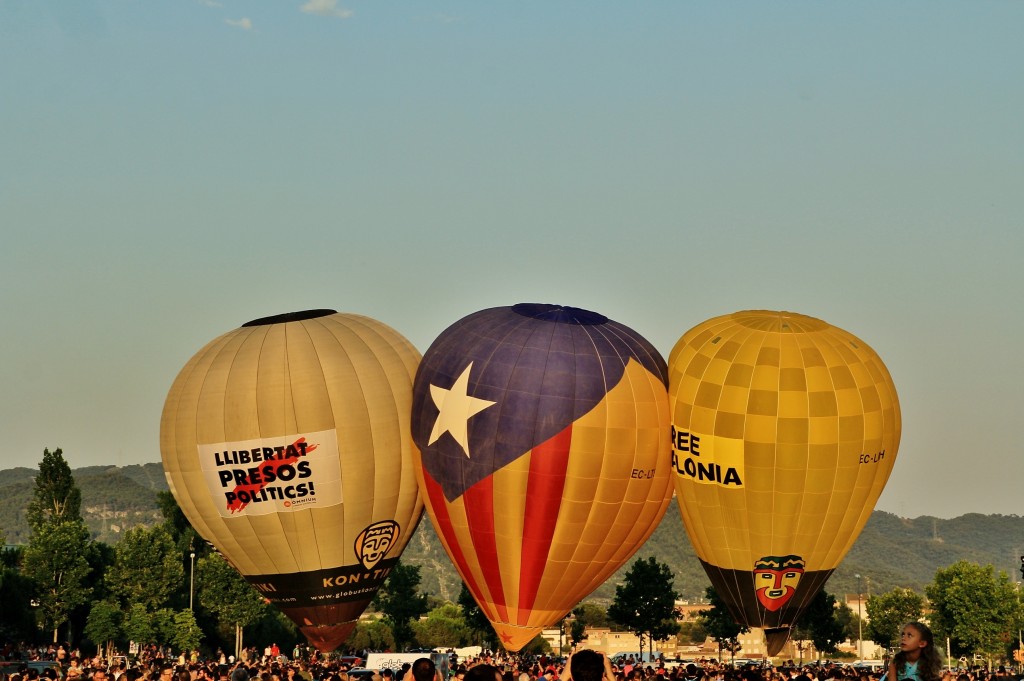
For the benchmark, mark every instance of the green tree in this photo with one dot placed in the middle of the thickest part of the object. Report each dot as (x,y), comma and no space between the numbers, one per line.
(849,621)
(186,634)
(55,497)
(138,625)
(190,547)
(400,603)
(177,525)
(720,624)
(275,626)
(56,563)
(733,646)
(577,632)
(372,634)
(103,626)
(645,602)
(975,607)
(888,612)
(475,619)
(100,557)
(592,614)
(819,623)
(538,645)
(692,632)
(164,628)
(586,614)
(146,569)
(232,600)
(442,627)
(18,622)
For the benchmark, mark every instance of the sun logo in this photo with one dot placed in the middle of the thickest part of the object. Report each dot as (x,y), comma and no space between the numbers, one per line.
(374,541)
(776,579)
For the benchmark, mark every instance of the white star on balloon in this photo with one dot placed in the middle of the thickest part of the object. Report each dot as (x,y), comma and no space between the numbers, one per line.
(454,409)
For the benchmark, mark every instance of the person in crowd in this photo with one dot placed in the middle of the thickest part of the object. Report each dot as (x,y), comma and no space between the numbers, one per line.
(483,672)
(423,669)
(590,665)
(918,660)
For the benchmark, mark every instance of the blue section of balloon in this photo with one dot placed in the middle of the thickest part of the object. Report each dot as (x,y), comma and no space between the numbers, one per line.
(543,366)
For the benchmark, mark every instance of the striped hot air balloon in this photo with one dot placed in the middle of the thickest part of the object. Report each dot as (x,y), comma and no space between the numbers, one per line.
(286,443)
(543,456)
(784,432)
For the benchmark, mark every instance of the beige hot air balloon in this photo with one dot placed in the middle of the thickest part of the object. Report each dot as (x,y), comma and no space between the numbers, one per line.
(286,443)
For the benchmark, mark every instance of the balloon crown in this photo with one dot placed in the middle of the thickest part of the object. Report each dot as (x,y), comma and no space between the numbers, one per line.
(559,313)
(290,317)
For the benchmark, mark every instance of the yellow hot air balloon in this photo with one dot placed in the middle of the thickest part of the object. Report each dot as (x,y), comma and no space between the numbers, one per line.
(784,432)
(542,456)
(286,443)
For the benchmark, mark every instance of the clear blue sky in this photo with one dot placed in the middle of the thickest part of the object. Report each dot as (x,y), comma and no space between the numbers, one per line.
(170,170)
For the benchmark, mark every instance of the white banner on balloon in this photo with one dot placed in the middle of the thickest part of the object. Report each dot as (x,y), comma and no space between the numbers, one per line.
(273,475)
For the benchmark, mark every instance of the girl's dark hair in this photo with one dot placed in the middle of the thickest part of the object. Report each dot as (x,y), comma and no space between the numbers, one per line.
(929,665)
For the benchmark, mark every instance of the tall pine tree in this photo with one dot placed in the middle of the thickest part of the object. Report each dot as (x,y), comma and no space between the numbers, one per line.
(55,558)
(400,603)
(55,497)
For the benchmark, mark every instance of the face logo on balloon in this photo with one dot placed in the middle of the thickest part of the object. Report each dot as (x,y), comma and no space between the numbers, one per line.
(776,578)
(373,542)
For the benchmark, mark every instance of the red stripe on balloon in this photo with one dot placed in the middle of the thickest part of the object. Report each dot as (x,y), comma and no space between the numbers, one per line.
(479,503)
(443,520)
(548,465)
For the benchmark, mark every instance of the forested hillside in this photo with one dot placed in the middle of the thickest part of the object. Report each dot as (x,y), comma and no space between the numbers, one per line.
(113,499)
(891,551)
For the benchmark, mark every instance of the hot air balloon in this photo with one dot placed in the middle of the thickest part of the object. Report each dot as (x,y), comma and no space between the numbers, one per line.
(784,432)
(286,443)
(542,453)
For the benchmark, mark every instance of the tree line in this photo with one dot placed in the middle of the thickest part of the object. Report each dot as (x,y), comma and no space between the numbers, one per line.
(164,585)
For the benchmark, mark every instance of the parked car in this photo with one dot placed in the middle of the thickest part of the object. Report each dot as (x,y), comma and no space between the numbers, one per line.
(13,666)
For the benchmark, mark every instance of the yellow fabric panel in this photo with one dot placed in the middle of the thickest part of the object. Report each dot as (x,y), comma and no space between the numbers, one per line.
(274,388)
(807,402)
(765,377)
(514,637)
(241,412)
(793,404)
(243,545)
(510,486)
(457,514)
(181,400)
(606,514)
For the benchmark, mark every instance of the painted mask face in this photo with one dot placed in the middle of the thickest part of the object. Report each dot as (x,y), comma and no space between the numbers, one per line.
(776,579)
(373,543)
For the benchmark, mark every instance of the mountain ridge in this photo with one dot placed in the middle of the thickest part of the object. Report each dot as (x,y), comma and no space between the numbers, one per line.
(891,551)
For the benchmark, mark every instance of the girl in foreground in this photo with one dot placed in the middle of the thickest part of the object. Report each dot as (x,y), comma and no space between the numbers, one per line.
(917,660)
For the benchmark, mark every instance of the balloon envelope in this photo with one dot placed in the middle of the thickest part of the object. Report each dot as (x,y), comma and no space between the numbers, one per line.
(545,460)
(784,432)
(286,443)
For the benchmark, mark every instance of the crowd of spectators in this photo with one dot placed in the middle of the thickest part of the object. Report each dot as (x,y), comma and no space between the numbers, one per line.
(62,663)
